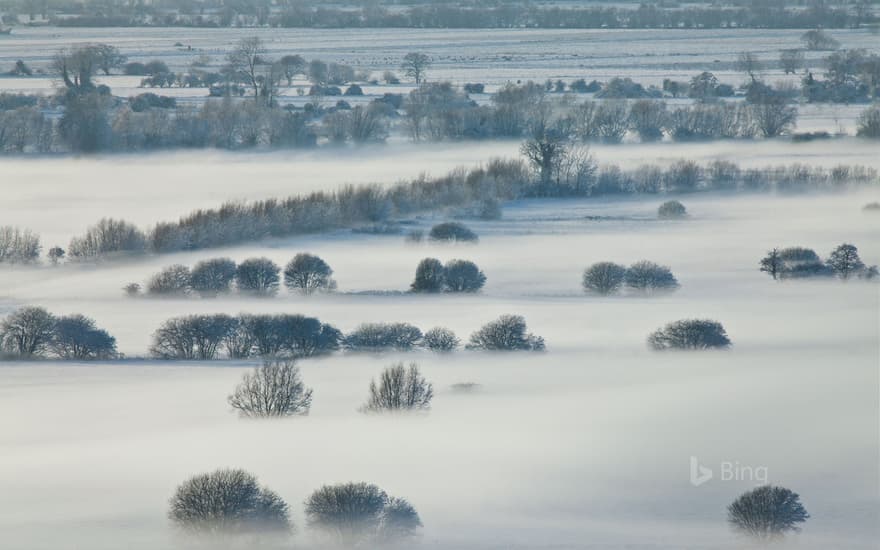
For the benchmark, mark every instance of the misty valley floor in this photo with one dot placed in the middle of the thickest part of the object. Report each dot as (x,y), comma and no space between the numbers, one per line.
(584,446)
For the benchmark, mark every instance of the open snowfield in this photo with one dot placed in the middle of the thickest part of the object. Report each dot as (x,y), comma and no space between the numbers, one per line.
(584,446)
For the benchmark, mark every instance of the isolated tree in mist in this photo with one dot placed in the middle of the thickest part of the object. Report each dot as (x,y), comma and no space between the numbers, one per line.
(351,514)
(543,153)
(272,390)
(767,512)
(440,339)
(56,254)
(308,273)
(27,331)
(228,502)
(430,276)
(671,210)
(108,57)
(817,39)
(690,334)
(649,276)
(463,276)
(415,65)
(845,261)
(603,278)
(173,280)
(452,231)
(772,264)
(77,337)
(212,277)
(257,276)
(399,389)
(247,59)
(292,65)
(507,333)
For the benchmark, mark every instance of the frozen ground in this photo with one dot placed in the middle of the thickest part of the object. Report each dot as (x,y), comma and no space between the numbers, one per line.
(585,446)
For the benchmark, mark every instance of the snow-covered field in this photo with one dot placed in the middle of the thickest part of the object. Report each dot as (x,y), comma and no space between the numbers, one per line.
(585,446)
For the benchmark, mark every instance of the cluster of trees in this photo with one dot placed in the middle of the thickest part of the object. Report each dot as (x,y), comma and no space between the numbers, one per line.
(851,76)
(208,337)
(305,274)
(549,173)
(455,276)
(606,278)
(33,332)
(18,246)
(466,15)
(229,503)
(798,262)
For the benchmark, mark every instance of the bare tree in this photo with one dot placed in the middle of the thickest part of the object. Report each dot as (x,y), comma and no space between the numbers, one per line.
(845,261)
(649,276)
(77,337)
(430,276)
(399,520)
(292,65)
(463,276)
(773,115)
(27,331)
(441,340)
(18,245)
(817,39)
(507,333)
(399,389)
(248,59)
(228,502)
(350,513)
(257,276)
(671,210)
(415,65)
(748,62)
(308,273)
(172,280)
(272,390)
(214,276)
(108,57)
(690,334)
(767,512)
(791,60)
(772,264)
(604,278)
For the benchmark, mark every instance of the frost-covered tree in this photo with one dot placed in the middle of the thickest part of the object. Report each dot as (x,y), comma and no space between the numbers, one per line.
(415,65)
(383,336)
(772,264)
(228,502)
(271,390)
(463,276)
(671,210)
(308,273)
(649,276)
(18,245)
(440,339)
(258,276)
(507,333)
(845,261)
(27,332)
(603,278)
(108,236)
(767,512)
(212,277)
(399,389)
(690,334)
(817,39)
(77,337)
(430,276)
(352,514)
(173,280)
(452,231)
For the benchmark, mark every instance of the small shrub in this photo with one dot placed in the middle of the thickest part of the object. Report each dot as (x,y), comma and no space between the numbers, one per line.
(228,502)
(767,512)
(440,339)
(507,333)
(452,231)
(272,390)
(399,389)
(671,210)
(690,334)
(603,278)
(132,289)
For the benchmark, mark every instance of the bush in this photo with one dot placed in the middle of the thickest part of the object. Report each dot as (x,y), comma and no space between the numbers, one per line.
(671,210)
(603,278)
(18,245)
(383,336)
(463,276)
(430,276)
(690,334)
(440,339)
(647,276)
(767,512)
(258,276)
(212,277)
(77,337)
(399,389)
(452,231)
(228,502)
(507,333)
(274,389)
(173,280)
(308,273)
(354,513)
(27,332)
